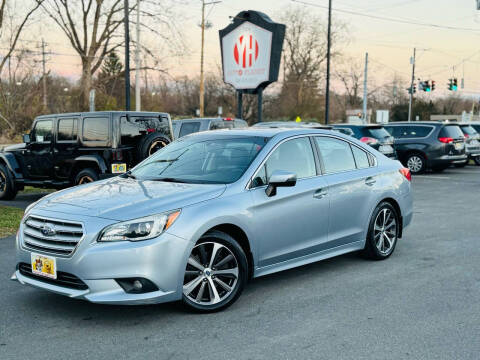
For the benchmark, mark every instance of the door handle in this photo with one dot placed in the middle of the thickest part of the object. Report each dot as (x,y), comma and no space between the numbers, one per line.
(320,193)
(370,181)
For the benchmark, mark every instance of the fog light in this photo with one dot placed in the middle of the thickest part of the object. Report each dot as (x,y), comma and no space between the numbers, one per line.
(136,285)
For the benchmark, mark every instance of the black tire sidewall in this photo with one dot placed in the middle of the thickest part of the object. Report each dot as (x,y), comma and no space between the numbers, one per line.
(147,141)
(370,246)
(10,190)
(86,172)
(236,249)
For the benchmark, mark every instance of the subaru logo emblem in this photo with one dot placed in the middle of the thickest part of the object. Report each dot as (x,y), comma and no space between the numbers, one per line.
(48,230)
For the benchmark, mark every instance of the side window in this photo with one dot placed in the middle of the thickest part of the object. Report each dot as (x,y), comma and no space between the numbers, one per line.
(417,131)
(95,129)
(361,158)
(336,154)
(67,130)
(293,155)
(189,128)
(42,132)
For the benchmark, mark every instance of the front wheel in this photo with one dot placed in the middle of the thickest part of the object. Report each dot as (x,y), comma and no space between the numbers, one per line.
(216,273)
(382,232)
(8,191)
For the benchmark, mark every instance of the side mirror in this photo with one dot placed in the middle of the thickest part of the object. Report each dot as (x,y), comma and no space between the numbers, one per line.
(26,138)
(280,178)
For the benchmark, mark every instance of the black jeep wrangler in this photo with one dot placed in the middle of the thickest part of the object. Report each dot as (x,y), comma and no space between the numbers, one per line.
(70,149)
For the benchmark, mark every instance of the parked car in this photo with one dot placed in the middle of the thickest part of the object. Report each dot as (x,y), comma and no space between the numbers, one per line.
(374,135)
(346,131)
(201,216)
(475,125)
(69,149)
(472,143)
(291,124)
(189,126)
(425,145)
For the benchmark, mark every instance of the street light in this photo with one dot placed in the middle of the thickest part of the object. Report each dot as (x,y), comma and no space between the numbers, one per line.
(329,36)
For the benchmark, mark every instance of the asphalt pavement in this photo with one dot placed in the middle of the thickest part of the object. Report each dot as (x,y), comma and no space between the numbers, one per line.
(421,303)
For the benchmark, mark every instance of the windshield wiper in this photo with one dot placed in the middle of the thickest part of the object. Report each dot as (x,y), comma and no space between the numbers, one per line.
(129,174)
(170,179)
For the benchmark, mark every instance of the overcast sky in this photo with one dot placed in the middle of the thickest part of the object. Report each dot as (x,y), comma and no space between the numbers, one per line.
(389,43)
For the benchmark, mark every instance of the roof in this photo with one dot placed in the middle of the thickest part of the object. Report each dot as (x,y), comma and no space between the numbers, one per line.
(104,113)
(357,125)
(262,131)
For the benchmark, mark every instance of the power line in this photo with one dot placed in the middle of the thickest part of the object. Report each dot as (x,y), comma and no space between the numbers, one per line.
(384,18)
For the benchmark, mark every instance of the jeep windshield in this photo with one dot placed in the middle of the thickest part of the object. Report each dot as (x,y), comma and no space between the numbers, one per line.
(199,161)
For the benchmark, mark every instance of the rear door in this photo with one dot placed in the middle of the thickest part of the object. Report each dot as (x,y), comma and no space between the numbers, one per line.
(351,182)
(66,146)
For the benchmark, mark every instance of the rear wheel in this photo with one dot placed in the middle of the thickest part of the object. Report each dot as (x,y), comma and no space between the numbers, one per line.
(416,163)
(86,176)
(8,191)
(216,273)
(382,232)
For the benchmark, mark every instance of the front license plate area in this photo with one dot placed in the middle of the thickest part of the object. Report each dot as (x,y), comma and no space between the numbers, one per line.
(119,168)
(43,265)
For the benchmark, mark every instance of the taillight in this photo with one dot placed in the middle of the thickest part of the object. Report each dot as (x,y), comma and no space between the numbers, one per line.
(446,140)
(228,119)
(117,155)
(465,136)
(406,172)
(368,140)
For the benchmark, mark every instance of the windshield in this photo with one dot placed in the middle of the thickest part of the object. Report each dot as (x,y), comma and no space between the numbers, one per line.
(191,160)
(376,132)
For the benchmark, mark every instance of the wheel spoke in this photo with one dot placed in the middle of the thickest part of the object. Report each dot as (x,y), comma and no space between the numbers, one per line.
(392,223)
(227,272)
(195,263)
(222,284)
(191,272)
(224,261)
(215,249)
(214,297)
(384,217)
(380,243)
(389,241)
(189,287)
(203,255)
(377,228)
(200,292)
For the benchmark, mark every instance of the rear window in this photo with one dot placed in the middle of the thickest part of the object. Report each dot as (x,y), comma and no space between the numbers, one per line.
(469,130)
(132,128)
(221,124)
(452,131)
(189,128)
(375,132)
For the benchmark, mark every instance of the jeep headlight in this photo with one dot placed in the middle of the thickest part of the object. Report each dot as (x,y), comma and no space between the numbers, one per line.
(139,229)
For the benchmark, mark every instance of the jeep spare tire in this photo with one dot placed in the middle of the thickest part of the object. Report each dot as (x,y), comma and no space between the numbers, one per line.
(86,176)
(151,144)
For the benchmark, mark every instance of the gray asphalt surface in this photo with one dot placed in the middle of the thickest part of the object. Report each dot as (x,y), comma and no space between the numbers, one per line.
(23,200)
(421,303)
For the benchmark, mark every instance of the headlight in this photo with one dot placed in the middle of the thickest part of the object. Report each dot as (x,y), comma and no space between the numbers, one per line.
(139,229)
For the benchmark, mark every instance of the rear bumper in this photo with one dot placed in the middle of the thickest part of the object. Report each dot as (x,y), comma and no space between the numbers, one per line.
(448,159)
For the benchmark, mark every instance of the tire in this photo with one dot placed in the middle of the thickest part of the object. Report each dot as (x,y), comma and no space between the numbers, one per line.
(86,176)
(8,190)
(199,280)
(416,163)
(151,144)
(476,159)
(381,240)
(461,165)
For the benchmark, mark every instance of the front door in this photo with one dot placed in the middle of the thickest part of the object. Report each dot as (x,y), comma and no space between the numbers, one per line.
(294,222)
(38,153)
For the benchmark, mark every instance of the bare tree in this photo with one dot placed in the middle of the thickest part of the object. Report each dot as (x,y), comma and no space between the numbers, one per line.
(20,16)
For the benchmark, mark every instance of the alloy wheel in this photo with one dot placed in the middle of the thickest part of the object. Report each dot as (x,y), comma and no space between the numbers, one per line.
(85,180)
(211,275)
(415,163)
(3,182)
(385,231)
(156,145)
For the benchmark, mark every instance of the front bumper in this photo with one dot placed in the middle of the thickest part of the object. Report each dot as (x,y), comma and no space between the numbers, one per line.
(161,260)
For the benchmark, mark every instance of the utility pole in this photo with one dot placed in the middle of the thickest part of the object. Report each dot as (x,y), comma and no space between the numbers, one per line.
(127,57)
(138,105)
(329,38)
(202,85)
(411,85)
(365,90)
(44,77)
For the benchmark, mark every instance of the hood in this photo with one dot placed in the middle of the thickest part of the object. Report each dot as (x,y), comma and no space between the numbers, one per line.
(14,147)
(124,198)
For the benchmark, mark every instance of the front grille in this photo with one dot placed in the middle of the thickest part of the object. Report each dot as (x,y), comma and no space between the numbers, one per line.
(57,237)
(63,279)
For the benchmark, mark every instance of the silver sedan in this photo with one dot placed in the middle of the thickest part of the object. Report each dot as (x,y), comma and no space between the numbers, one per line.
(199,218)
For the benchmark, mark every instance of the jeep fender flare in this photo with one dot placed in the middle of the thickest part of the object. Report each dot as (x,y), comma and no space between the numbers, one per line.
(11,163)
(98,160)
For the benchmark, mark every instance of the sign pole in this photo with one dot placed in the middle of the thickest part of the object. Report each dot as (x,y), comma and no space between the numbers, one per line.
(239,104)
(260,103)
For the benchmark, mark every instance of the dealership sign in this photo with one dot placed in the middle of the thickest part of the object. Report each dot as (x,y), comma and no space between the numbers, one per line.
(251,50)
